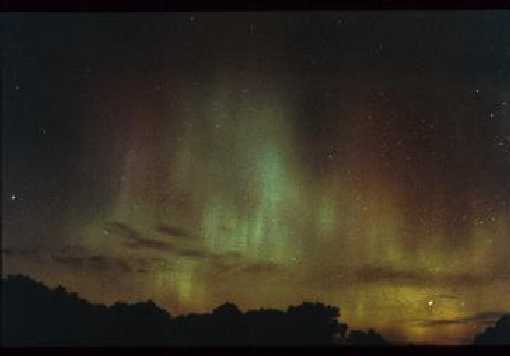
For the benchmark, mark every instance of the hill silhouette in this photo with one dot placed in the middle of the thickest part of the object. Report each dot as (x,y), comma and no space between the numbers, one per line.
(499,334)
(35,315)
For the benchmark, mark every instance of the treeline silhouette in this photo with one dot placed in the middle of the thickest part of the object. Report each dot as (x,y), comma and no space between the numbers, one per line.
(499,334)
(34,315)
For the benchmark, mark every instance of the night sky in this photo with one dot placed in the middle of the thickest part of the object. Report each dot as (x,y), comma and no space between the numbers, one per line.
(361,159)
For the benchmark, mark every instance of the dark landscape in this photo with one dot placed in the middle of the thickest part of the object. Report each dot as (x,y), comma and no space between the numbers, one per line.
(36,316)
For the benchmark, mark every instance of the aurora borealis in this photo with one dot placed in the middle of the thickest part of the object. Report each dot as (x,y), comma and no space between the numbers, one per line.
(361,159)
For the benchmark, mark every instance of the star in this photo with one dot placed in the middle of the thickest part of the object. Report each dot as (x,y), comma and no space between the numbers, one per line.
(331,153)
(13,197)
(430,303)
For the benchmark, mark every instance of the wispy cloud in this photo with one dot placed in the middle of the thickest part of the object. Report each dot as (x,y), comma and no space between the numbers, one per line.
(96,263)
(370,274)
(151,244)
(334,276)
(447,296)
(480,318)
(121,229)
(193,253)
(385,274)
(135,240)
(261,268)
(233,265)
(173,231)
(69,260)
(30,254)
(19,252)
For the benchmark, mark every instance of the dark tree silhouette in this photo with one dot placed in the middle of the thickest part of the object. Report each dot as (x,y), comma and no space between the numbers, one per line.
(498,334)
(359,337)
(34,315)
(137,324)
(267,327)
(324,318)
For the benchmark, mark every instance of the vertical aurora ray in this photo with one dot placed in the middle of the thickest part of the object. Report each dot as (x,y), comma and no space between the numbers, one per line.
(245,208)
(301,156)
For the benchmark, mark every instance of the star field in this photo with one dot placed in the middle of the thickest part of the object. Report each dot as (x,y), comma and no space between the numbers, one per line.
(360,159)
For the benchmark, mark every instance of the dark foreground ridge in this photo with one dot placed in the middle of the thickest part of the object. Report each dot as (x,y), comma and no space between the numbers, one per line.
(498,334)
(34,315)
